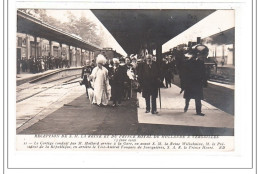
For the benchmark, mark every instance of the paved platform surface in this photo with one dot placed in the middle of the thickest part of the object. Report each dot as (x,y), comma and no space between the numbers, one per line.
(172,113)
(64,109)
(37,107)
(217,94)
(223,85)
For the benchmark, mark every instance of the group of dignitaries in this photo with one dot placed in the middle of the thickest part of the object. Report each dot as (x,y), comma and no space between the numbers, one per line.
(114,79)
(108,80)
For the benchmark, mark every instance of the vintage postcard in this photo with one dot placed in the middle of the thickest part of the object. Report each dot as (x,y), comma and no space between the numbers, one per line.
(144,78)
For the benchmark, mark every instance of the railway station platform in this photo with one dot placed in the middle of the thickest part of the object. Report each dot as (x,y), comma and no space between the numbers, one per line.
(172,112)
(64,109)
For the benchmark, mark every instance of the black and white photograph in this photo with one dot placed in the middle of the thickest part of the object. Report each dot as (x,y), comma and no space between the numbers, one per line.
(129,85)
(125,72)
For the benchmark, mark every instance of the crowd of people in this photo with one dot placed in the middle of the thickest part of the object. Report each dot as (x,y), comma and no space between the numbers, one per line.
(42,63)
(116,79)
(122,76)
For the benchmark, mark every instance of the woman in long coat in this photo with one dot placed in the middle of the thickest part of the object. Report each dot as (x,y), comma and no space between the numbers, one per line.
(101,85)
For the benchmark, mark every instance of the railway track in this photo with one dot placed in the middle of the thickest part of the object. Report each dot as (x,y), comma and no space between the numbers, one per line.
(29,90)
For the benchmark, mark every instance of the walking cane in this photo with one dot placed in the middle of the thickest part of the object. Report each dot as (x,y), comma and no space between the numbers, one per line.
(160,98)
(131,93)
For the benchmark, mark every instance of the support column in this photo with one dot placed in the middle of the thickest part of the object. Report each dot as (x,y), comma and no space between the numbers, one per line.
(76,49)
(216,52)
(198,40)
(89,53)
(223,53)
(81,57)
(159,52)
(40,47)
(51,48)
(234,53)
(28,54)
(60,49)
(150,47)
(70,54)
(35,46)
(62,61)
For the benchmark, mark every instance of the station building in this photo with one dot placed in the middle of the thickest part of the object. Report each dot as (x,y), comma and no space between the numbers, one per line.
(35,39)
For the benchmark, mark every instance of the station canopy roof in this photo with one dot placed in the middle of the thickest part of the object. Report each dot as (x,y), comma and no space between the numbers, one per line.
(35,27)
(224,37)
(133,28)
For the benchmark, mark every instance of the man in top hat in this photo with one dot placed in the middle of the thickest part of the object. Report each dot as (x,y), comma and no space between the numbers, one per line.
(195,77)
(149,80)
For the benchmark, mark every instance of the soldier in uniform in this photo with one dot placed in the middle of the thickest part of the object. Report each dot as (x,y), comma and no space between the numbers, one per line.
(195,77)
(86,71)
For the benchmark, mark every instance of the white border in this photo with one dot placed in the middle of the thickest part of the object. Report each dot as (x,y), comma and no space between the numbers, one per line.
(243,99)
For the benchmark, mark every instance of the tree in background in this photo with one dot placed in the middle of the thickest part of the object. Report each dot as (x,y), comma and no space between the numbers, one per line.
(82,27)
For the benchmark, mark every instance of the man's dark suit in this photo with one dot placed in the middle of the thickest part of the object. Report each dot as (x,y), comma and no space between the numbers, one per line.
(194,81)
(149,80)
(118,77)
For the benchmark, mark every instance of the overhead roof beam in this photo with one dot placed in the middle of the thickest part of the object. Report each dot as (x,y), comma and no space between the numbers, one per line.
(134,27)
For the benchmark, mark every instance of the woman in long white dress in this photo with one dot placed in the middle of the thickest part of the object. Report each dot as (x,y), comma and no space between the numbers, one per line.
(101,85)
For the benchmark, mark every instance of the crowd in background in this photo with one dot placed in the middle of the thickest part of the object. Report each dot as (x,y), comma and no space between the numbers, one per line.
(42,63)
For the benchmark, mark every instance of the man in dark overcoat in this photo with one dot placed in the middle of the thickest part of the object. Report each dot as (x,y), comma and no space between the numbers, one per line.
(127,84)
(149,79)
(163,71)
(118,76)
(168,73)
(195,77)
